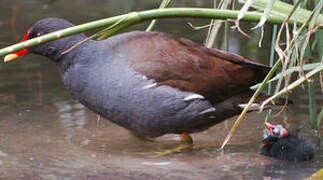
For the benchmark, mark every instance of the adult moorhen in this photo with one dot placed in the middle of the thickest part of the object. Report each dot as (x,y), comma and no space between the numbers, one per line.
(281,144)
(151,83)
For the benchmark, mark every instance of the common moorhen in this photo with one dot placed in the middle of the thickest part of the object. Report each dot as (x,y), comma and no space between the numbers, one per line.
(151,83)
(279,143)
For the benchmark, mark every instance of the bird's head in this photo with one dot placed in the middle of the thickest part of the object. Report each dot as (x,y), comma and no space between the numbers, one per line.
(40,28)
(275,130)
(272,133)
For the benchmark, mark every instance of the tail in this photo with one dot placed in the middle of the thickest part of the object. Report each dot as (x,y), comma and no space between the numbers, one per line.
(256,105)
(235,104)
(276,102)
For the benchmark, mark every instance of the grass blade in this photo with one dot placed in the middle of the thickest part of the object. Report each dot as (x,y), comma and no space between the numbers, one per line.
(312,104)
(163,4)
(293,85)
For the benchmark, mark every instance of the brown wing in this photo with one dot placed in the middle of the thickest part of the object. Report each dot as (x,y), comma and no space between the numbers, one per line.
(183,64)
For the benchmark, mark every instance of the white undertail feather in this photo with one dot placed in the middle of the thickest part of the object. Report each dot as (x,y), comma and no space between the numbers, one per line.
(254,106)
(144,77)
(212,109)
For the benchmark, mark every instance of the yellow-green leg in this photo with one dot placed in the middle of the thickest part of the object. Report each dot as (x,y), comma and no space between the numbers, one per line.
(186,143)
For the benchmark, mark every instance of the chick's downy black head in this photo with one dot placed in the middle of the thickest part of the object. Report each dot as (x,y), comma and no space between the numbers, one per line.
(279,143)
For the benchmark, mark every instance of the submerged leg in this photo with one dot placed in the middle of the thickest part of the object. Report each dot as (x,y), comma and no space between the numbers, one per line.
(140,137)
(186,143)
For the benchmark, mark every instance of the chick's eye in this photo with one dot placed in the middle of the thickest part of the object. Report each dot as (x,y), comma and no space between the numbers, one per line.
(276,132)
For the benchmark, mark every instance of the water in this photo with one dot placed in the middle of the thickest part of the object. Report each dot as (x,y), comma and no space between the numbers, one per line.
(46,134)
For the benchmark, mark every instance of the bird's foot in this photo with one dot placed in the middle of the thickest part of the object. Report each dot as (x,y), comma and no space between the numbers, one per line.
(178,149)
(186,144)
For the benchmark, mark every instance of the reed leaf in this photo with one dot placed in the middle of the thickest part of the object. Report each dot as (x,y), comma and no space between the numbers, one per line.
(312,104)
(307,67)
(264,18)
(215,25)
(163,4)
(283,9)
(293,85)
(318,120)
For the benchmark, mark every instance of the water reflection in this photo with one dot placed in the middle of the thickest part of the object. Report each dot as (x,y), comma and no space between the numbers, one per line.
(70,115)
(284,170)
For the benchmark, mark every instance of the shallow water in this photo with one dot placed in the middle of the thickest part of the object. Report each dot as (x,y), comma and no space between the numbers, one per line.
(46,134)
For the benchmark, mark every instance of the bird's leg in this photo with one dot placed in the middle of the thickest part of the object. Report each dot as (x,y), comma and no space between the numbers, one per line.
(140,137)
(186,143)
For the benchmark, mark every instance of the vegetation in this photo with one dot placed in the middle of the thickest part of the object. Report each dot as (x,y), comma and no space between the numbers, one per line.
(298,42)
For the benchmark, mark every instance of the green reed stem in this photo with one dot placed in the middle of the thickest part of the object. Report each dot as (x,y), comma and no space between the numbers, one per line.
(141,16)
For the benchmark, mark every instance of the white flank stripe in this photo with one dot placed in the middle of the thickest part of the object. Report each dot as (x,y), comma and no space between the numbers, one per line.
(212,109)
(193,96)
(150,86)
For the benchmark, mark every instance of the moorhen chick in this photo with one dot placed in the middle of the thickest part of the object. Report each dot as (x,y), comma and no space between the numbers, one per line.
(279,143)
(151,83)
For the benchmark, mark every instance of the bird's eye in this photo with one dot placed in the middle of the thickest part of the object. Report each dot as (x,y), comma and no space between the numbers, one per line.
(38,34)
(276,132)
